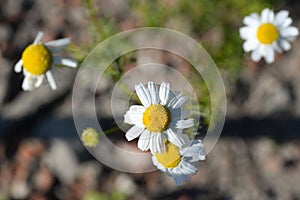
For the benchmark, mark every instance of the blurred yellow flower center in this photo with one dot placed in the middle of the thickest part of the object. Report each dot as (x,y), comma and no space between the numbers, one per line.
(90,137)
(267,33)
(157,118)
(171,157)
(37,59)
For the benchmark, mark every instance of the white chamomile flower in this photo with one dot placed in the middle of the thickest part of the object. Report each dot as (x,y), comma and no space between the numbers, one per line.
(90,137)
(161,117)
(180,163)
(38,59)
(266,34)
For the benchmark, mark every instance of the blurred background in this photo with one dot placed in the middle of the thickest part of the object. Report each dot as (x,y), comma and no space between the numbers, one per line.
(42,157)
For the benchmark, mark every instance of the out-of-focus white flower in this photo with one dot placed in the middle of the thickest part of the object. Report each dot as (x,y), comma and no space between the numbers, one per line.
(180,163)
(266,34)
(161,117)
(38,59)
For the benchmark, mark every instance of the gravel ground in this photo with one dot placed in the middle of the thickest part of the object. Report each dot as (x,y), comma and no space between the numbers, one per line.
(257,157)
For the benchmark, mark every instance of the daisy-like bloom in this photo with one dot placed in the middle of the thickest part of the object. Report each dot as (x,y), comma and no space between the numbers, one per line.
(180,163)
(90,137)
(266,34)
(38,59)
(161,117)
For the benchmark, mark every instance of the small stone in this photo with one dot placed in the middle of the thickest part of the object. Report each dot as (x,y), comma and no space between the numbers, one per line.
(125,184)
(62,160)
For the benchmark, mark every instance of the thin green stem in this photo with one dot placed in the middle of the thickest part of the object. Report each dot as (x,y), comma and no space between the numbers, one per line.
(112,130)
(94,18)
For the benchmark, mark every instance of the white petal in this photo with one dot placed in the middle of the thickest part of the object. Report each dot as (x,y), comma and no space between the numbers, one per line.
(128,119)
(153,92)
(177,93)
(164,91)
(51,80)
(59,45)
(39,81)
(25,84)
(65,61)
(152,145)
(271,17)
(286,23)
(172,99)
(137,108)
(25,72)
(281,17)
(157,143)
(291,39)
(252,20)
(143,94)
(256,55)
(134,119)
(38,37)
(285,45)
(268,53)
(134,132)
(183,124)
(265,14)
(255,16)
(18,66)
(144,140)
(173,96)
(59,42)
(178,179)
(135,115)
(244,32)
(160,143)
(250,45)
(31,81)
(188,168)
(248,32)
(175,138)
(187,142)
(196,151)
(277,48)
(289,32)
(181,101)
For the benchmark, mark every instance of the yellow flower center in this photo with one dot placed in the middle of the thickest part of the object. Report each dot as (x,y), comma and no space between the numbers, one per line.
(157,118)
(37,59)
(267,33)
(171,157)
(90,137)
